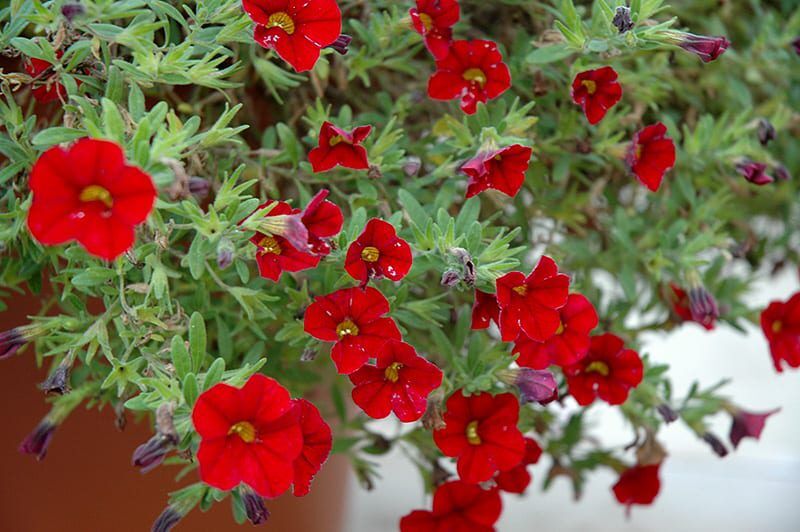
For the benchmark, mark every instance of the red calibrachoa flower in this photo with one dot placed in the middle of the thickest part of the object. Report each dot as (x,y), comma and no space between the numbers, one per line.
(250,434)
(337,146)
(568,345)
(378,252)
(434,20)
(351,317)
(530,304)
(296,29)
(275,254)
(88,193)
(517,479)
(608,371)
(399,382)
(481,432)
(780,322)
(485,310)
(323,219)
(317,442)
(457,507)
(651,155)
(46,87)
(472,71)
(596,91)
(502,170)
(638,485)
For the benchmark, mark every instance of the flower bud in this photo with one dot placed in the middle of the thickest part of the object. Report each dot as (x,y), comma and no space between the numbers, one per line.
(150,454)
(782,173)
(225,251)
(411,166)
(308,355)
(705,47)
(703,306)
(38,441)
(58,382)
(72,10)
(754,172)
(796,45)
(715,444)
(257,511)
(535,386)
(11,341)
(450,278)
(168,519)
(748,425)
(432,418)
(199,187)
(622,19)
(667,413)
(766,131)
(341,44)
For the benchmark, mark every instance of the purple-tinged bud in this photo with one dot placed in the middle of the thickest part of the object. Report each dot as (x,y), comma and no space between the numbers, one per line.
(796,45)
(150,454)
(766,131)
(58,382)
(748,425)
(225,250)
(450,278)
(535,386)
(308,355)
(715,444)
(289,226)
(199,187)
(13,339)
(667,413)
(341,44)
(432,419)
(705,47)
(38,441)
(257,511)
(411,166)
(703,306)
(754,172)
(782,173)
(70,11)
(168,519)
(622,19)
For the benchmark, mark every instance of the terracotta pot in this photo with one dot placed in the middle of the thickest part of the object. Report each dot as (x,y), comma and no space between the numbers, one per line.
(86,481)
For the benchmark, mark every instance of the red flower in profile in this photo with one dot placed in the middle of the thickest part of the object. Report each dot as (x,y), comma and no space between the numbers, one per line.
(502,170)
(472,71)
(748,425)
(638,485)
(517,479)
(650,155)
(780,322)
(250,434)
(46,87)
(352,318)
(317,442)
(275,254)
(434,20)
(568,345)
(457,507)
(596,91)
(399,382)
(481,432)
(337,146)
(88,193)
(296,29)
(323,219)
(705,47)
(608,371)
(485,310)
(530,304)
(378,252)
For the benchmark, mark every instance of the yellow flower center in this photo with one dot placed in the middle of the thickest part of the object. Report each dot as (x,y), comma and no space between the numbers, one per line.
(426,20)
(591,86)
(347,328)
(97,193)
(245,430)
(268,244)
(336,139)
(392,372)
(560,329)
(521,289)
(281,20)
(370,254)
(475,75)
(472,433)
(777,326)
(598,366)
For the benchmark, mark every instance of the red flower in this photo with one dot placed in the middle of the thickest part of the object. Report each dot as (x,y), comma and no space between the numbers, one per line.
(502,170)
(250,434)
(530,304)
(351,317)
(434,20)
(323,220)
(46,87)
(638,485)
(568,345)
(317,442)
(596,91)
(296,29)
(754,172)
(89,194)
(337,146)
(517,479)
(705,47)
(481,432)
(484,310)
(275,254)
(608,371)
(748,425)
(399,382)
(651,154)
(472,71)
(457,507)
(780,322)
(697,305)
(378,252)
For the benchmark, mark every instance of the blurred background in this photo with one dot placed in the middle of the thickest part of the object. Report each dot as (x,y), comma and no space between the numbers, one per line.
(86,482)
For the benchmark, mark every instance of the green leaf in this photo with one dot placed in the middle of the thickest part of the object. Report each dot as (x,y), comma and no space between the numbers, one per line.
(180,357)
(197,340)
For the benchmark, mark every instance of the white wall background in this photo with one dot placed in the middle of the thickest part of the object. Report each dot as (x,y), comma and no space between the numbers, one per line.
(756,488)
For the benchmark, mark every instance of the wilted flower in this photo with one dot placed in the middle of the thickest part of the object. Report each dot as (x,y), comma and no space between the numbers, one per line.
(432,419)
(754,172)
(199,187)
(622,19)
(257,511)
(341,44)
(703,306)
(450,278)
(766,131)
(58,381)
(705,47)
(70,11)
(748,424)
(38,441)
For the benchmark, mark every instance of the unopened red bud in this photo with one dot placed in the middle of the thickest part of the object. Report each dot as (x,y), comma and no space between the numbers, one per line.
(341,44)
(38,441)
(766,131)
(255,507)
(716,445)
